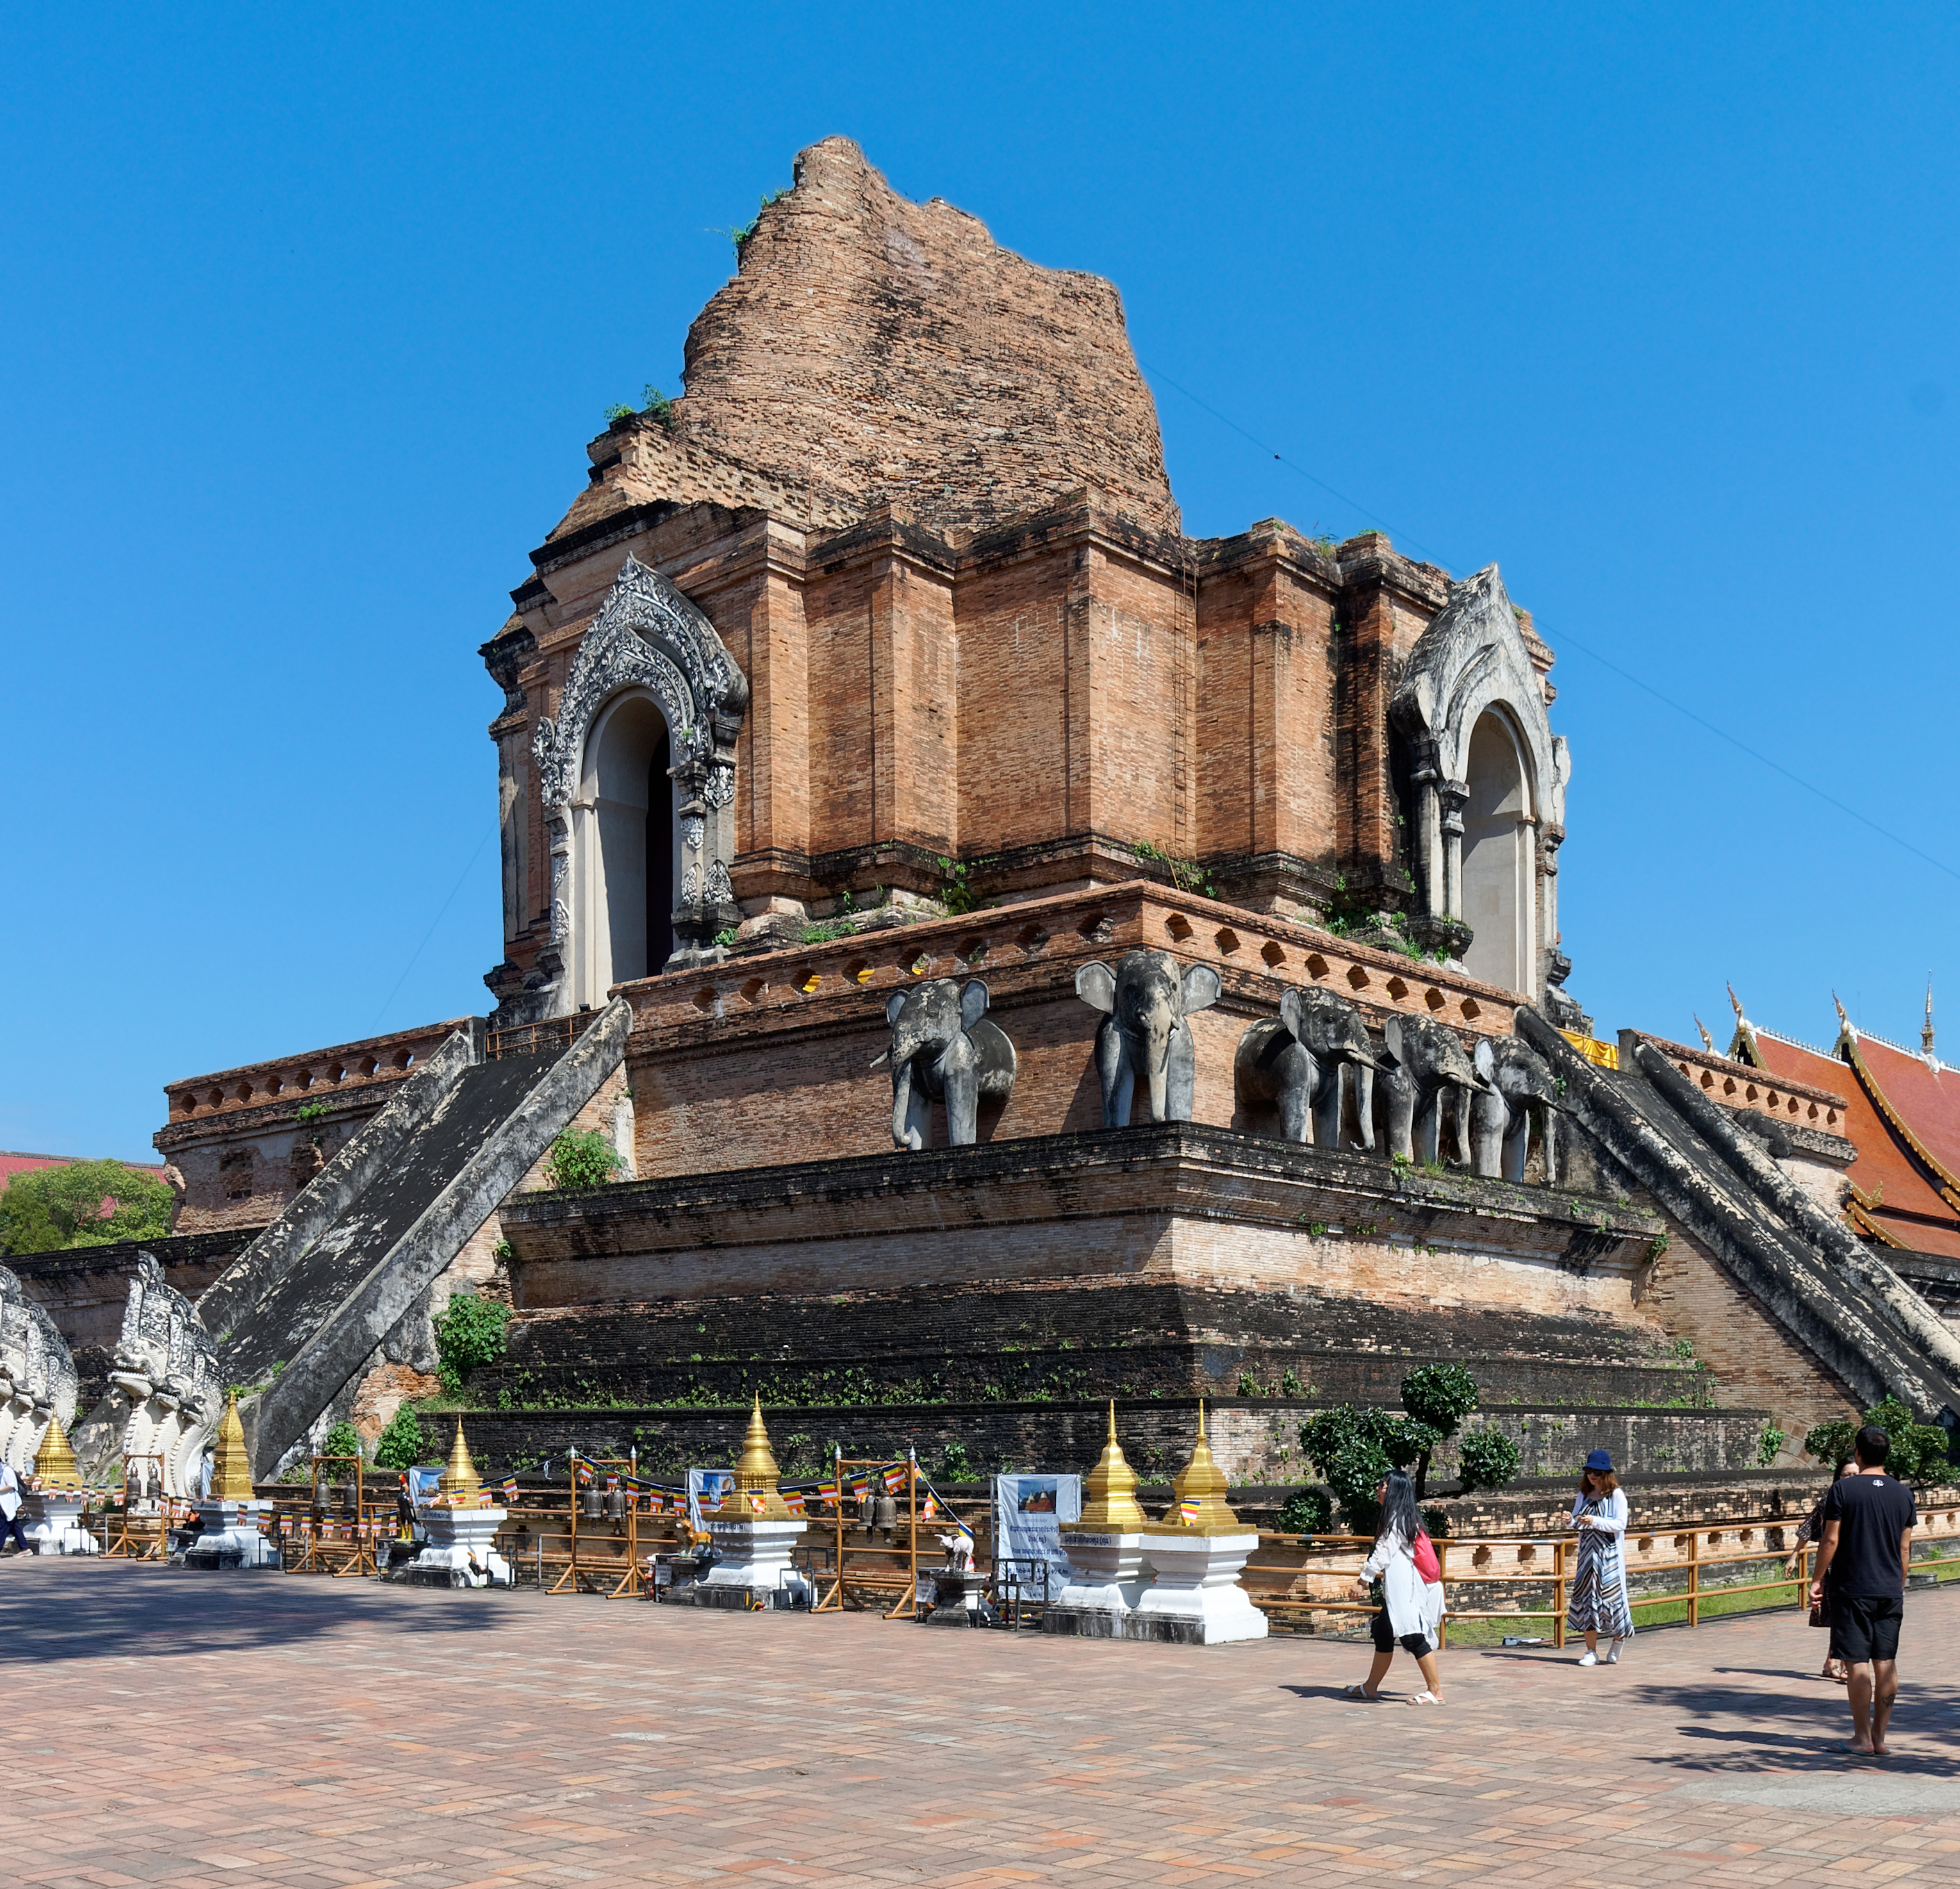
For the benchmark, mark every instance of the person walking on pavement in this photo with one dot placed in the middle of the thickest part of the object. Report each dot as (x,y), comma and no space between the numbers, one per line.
(1869,1518)
(1597,1603)
(10,1510)
(1404,1561)
(1810,1529)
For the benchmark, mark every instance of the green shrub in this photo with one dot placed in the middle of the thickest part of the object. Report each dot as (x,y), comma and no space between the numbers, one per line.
(581,1158)
(1918,1453)
(1307,1511)
(343,1440)
(1488,1459)
(469,1333)
(401,1444)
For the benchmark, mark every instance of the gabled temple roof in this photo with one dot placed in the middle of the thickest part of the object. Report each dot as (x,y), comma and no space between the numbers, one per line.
(1903,1119)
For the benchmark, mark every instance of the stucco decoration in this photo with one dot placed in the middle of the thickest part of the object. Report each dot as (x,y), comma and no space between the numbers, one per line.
(648,635)
(37,1376)
(165,1396)
(1472,661)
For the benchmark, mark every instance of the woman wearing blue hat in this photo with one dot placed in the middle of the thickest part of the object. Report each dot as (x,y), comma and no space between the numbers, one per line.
(1597,1603)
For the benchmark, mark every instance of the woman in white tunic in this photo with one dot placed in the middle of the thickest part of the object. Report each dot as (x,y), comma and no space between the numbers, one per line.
(1411,1615)
(1597,1603)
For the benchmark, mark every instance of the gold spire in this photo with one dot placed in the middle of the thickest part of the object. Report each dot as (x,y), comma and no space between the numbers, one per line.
(461,1478)
(1198,1506)
(1925,1032)
(755,1475)
(55,1466)
(230,1468)
(1109,1491)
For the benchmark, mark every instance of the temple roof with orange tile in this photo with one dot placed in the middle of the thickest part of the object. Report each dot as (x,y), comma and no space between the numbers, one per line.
(1903,1119)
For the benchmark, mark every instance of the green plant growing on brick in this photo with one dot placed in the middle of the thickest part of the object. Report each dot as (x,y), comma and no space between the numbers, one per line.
(1290,1383)
(1769,1440)
(580,1159)
(402,1446)
(1249,1385)
(343,1439)
(470,1333)
(956,891)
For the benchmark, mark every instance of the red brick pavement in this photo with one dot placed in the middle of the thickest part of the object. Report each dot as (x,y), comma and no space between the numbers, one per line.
(164,1728)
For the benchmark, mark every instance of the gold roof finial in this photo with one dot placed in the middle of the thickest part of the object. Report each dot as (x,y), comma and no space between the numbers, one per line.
(1198,1505)
(460,1478)
(55,1466)
(1926,1033)
(1707,1041)
(755,1476)
(1110,1505)
(230,1468)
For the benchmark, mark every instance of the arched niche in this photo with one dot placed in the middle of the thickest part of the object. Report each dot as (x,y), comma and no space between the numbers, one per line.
(1496,842)
(651,672)
(629,861)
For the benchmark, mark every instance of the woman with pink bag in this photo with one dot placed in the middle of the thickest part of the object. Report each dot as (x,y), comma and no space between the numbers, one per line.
(1404,1561)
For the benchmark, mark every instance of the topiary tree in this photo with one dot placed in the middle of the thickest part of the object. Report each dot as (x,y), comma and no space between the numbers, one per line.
(401,1444)
(469,1333)
(580,1159)
(1918,1452)
(1307,1511)
(1439,1396)
(1488,1459)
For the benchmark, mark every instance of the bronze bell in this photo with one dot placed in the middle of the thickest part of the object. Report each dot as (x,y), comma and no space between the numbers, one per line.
(885,1514)
(616,1505)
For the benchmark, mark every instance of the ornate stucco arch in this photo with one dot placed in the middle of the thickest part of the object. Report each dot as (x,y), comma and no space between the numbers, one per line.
(647,639)
(1471,666)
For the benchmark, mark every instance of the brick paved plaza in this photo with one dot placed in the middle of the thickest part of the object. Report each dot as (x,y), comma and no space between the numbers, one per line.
(167,1728)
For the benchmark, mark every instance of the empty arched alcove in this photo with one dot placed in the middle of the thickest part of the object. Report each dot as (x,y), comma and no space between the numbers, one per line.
(636,883)
(1497,855)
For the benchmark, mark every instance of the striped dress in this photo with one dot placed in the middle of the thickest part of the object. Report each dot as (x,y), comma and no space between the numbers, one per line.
(1597,1601)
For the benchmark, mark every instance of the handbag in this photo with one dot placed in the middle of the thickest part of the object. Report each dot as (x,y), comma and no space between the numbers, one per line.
(1818,1616)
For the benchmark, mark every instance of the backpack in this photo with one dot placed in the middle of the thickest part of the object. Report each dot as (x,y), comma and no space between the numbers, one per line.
(1422,1551)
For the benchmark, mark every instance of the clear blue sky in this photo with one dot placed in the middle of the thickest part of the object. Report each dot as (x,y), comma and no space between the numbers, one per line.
(304,322)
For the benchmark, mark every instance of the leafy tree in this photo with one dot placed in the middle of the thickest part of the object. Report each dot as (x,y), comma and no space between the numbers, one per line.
(581,1158)
(401,1444)
(81,1203)
(1918,1453)
(1441,1396)
(343,1440)
(469,1333)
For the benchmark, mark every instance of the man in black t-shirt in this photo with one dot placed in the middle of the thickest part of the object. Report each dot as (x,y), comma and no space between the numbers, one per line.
(1868,1523)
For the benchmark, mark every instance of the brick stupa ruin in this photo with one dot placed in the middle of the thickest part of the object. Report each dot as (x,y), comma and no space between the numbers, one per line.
(879,658)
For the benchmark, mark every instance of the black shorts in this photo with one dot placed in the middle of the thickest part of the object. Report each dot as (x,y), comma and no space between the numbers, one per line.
(1864,1629)
(1384,1637)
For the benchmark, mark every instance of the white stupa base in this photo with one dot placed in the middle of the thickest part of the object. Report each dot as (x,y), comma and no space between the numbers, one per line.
(1196,1598)
(230,1536)
(462,1549)
(754,1552)
(1107,1584)
(53,1524)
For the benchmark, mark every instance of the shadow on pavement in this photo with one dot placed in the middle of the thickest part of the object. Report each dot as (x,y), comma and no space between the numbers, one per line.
(58,1609)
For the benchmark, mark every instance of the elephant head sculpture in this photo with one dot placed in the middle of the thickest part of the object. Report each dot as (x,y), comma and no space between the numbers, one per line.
(1297,1059)
(1144,1002)
(1430,1062)
(942,1046)
(1521,1086)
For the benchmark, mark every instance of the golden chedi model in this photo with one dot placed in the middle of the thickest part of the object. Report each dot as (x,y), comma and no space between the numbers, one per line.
(1105,1548)
(51,1512)
(754,1532)
(1196,1552)
(229,1513)
(461,1524)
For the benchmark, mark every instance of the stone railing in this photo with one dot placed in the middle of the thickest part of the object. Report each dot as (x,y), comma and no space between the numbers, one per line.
(1741,1086)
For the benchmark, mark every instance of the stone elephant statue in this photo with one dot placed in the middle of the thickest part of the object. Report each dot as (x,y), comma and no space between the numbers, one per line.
(943,1047)
(1430,1064)
(1521,1086)
(1144,1002)
(1298,1059)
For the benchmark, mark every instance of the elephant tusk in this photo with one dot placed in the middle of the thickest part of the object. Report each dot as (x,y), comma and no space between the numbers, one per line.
(881,1057)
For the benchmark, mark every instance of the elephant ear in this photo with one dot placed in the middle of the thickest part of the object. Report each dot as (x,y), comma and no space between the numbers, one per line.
(894,1005)
(973,1000)
(1201,988)
(1392,1039)
(1095,985)
(1486,1060)
(1292,1013)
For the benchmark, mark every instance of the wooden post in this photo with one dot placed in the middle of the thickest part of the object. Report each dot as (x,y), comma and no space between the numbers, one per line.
(1803,1576)
(571,1573)
(1443,1576)
(833,1601)
(1558,1592)
(1694,1577)
(908,1602)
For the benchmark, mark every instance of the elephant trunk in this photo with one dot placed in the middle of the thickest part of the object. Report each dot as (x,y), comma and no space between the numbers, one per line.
(901,1101)
(1364,1102)
(1156,1063)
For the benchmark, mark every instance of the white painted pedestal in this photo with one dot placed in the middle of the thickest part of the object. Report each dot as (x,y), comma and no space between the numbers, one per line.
(462,1549)
(52,1522)
(1108,1582)
(1196,1597)
(230,1538)
(754,1553)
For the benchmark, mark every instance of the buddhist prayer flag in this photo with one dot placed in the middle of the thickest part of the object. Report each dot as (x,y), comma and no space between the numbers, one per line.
(758,1501)
(1187,1512)
(792,1500)
(895,1479)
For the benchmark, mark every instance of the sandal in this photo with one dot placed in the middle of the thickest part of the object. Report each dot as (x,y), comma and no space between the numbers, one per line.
(1367,1698)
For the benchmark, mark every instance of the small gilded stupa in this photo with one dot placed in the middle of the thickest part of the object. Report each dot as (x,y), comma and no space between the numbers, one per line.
(1198,1506)
(231,1467)
(755,1497)
(55,1466)
(1110,1505)
(460,1482)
